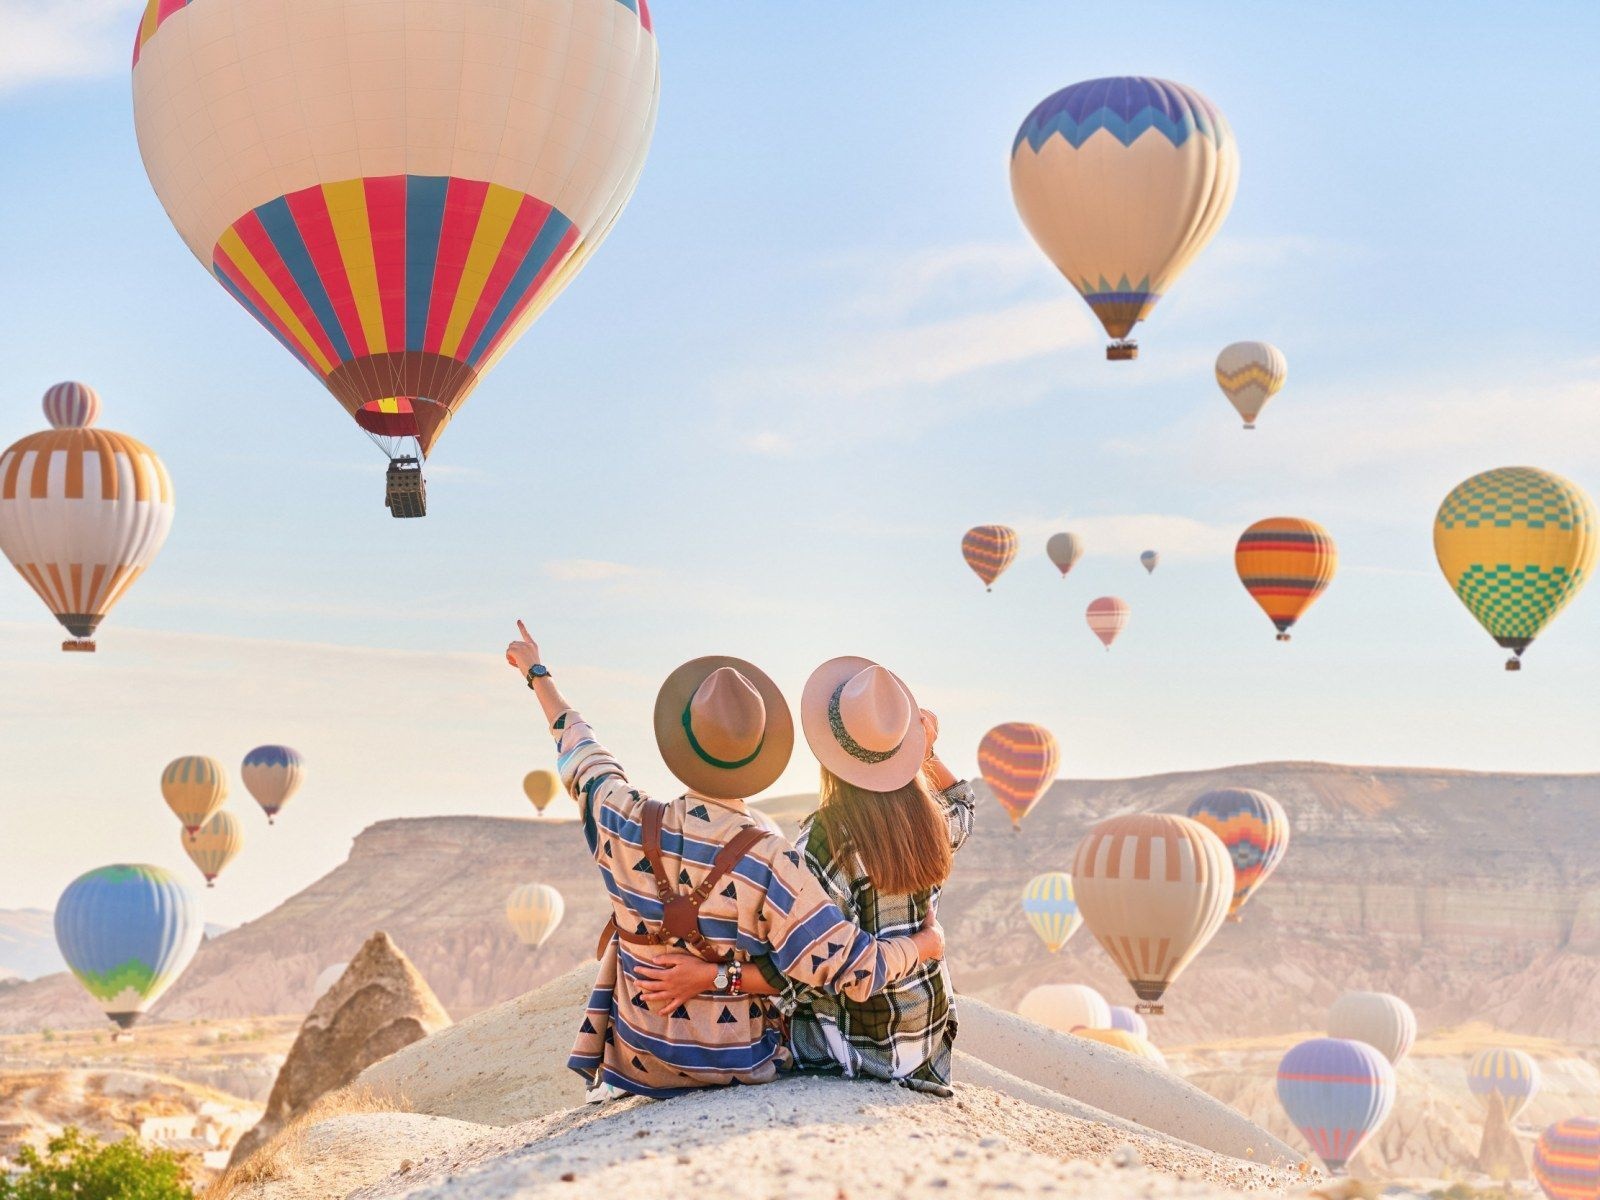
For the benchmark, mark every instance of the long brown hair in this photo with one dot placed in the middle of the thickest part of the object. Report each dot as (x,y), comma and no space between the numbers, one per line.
(901,837)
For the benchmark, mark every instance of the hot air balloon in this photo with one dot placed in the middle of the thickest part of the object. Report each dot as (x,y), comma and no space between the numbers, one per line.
(1250,374)
(1384,1022)
(396,194)
(83,511)
(216,845)
(273,774)
(1065,1007)
(1566,1159)
(127,932)
(1064,549)
(989,550)
(1018,762)
(1153,889)
(1510,1074)
(1047,903)
(1254,828)
(1516,544)
(541,787)
(1129,1043)
(1123,1017)
(194,789)
(1337,1092)
(1107,617)
(1285,563)
(1122,182)
(534,910)
(1151,560)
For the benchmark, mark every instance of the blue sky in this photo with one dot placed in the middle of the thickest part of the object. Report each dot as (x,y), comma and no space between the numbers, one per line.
(819,347)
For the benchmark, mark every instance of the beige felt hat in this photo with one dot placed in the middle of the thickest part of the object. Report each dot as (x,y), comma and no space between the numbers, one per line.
(723,727)
(863,725)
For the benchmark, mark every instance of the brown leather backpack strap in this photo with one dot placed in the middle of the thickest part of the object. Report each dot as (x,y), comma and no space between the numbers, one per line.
(654,811)
(729,856)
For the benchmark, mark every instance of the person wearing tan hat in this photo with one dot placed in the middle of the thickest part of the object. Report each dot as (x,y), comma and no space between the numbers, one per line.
(698,873)
(882,843)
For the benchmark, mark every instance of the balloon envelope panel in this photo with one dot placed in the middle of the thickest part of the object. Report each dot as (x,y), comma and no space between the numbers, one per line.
(1510,1074)
(1254,828)
(1018,762)
(1566,1160)
(1048,904)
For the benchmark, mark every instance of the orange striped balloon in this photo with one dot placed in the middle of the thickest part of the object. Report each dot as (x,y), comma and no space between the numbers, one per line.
(1153,888)
(1285,563)
(1566,1159)
(1107,617)
(989,550)
(83,511)
(1018,762)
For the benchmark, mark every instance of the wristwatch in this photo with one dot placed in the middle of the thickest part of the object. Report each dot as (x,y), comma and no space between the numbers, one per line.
(721,980)
(537,672)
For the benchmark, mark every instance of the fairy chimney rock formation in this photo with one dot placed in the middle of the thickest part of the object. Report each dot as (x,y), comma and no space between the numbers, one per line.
(1500,1154)
(380,1004)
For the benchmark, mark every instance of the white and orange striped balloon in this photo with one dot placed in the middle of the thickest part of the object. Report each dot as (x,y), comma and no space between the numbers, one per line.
(1153,888)
(216,844)
(1107,617)
(1250,374)
(83,511)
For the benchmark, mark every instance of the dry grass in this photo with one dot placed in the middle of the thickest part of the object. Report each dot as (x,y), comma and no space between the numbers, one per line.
(282,1156)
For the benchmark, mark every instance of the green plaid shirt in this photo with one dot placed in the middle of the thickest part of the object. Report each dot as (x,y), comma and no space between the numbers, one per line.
(905,1032)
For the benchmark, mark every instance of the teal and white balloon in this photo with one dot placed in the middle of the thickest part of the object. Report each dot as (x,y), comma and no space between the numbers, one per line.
(127,932)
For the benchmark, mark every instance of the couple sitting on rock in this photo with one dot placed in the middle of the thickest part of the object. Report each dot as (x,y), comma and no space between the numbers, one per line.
(732,954)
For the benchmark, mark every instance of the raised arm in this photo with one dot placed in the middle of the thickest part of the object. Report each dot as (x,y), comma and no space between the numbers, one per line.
(523,655)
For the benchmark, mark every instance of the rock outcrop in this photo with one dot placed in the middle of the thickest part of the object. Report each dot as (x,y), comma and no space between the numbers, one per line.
(379,1005)
(1500,1153)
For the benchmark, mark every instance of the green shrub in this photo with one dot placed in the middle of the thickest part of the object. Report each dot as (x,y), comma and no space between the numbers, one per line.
(84,1168)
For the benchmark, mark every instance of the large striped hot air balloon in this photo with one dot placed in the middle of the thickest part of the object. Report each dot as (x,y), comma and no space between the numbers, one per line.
(540,787)
(1048,904)
(194,788)
(127,932)
(1123,1017)
(1066,1007)
(1107,617)
(217,843)
(1136,1044)
(1285,563)
(1018,762)
(1153,889)
(395,189)
(1064,549)
(1516,544)
(1566,1159)
(534,910)
(1250,374)
(1382,1021)
(1254,828)
(1510,1074)
(83,511)
(273,774)
(1337,1093)
(1122,182)
(989,550)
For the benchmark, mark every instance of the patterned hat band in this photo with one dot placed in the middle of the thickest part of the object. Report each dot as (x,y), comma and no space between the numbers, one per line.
(704,756)
(847,743)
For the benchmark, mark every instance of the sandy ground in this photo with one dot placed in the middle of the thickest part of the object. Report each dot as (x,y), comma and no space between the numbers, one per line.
(486,1109)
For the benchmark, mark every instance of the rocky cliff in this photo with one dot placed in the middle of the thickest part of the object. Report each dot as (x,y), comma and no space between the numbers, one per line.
(1474,896)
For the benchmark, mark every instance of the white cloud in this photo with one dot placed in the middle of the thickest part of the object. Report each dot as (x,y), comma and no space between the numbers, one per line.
(63,39)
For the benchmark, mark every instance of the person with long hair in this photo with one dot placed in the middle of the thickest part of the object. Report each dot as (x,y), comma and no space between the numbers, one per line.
(882,842)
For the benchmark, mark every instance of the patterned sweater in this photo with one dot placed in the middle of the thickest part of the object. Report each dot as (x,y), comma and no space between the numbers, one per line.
(903,1033)
(769,905)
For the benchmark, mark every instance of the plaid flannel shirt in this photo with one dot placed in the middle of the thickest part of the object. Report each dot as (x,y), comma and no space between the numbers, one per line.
(906,1031)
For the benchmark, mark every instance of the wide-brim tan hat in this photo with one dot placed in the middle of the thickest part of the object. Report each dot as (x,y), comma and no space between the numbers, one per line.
(863,724)
(714,735)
